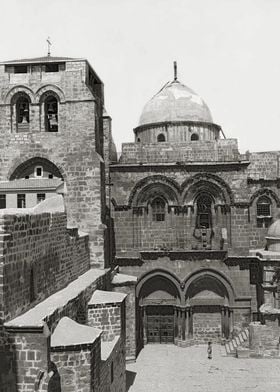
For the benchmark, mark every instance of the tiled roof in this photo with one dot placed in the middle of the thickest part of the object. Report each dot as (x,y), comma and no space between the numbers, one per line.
(44,59)
(32,183)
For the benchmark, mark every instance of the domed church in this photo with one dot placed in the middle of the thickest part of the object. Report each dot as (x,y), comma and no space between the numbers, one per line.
(188,209)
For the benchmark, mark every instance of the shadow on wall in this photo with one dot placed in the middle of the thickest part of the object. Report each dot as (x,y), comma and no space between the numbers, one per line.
(54,384)
(7,374)
(130,377)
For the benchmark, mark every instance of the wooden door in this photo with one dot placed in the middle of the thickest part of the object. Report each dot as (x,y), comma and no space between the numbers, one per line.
(160,324)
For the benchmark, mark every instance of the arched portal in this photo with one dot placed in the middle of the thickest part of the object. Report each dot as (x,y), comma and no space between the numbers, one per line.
(35,167)
(208,297)
(158,294)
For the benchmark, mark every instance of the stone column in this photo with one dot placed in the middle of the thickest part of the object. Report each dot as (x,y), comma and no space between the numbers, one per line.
(223,322)
(231,321)
(187,317)
(144,318)
(176,324)
(190,322)
(183,324)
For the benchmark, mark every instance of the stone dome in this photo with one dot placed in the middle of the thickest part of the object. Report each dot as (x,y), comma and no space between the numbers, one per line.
(175,102)
(273,237)
(274,230)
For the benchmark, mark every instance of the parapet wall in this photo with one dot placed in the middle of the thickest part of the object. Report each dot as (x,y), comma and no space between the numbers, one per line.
(223,150)
(38,256)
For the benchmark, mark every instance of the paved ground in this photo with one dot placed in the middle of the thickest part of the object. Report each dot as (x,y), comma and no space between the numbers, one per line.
(167,368)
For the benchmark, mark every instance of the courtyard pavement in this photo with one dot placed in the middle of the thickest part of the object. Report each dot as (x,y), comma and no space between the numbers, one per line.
(168,368)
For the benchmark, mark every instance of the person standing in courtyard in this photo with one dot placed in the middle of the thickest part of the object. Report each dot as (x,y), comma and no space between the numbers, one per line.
(209,350)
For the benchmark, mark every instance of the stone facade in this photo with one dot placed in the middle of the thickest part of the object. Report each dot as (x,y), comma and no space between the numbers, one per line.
(187,210)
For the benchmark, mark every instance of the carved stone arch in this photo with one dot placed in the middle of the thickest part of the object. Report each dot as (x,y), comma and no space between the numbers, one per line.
(212,274)
(16,91)
(159,273)
(210,183)
(49,89)
(170,189)
(21,163)
(265,192)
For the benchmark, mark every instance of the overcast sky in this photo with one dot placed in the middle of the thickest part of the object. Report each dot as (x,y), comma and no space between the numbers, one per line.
(227,51)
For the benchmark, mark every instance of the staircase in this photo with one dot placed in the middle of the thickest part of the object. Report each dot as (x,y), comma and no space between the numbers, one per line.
(237,342)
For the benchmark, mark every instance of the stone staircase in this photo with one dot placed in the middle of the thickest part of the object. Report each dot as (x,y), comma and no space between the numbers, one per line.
(237,342)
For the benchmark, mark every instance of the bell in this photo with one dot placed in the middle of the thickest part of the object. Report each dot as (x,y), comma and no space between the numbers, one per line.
(50,108)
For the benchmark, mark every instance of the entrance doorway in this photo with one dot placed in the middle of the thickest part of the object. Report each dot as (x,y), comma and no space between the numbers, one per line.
(160,324)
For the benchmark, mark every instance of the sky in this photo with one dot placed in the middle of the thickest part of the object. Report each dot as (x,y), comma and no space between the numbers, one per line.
(227,51)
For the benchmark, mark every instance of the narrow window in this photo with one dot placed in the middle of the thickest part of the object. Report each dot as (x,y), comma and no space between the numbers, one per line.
(51,114)
(21,200)
(204,214)
(158,209)
(50,175)
(40,197)
(38,171)
(2,201)
(112,372)
(263,211)
(138,140)
(22,114)
(161,137)
(194,137)
(32,286)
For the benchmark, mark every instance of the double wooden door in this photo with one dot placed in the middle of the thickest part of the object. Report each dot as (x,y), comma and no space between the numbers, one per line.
(160,324)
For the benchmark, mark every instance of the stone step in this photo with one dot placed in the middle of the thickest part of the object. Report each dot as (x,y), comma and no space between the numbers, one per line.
(238,341)
(244,335)
(227,348)
(241,338)
(231,347)
(235,345)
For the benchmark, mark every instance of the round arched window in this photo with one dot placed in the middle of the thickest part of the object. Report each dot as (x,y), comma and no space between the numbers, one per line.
(204,213)
(51,114)
(161,137)
(194,137)
(158,209)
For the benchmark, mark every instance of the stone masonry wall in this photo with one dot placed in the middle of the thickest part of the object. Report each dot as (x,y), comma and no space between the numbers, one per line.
(113,374)
(39,257)
(27,349)
(214,150)
(78,367)
(110,318)
(264,338)
(207,326)
(130,311)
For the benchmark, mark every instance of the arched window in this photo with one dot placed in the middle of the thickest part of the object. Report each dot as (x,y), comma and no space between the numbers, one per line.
(51,114)
(194,137)
(263,211)
(204,214)
(161,137)
(158,209)
(22,114)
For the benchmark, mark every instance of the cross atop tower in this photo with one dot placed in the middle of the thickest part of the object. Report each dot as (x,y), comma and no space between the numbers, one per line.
(49,46)
(175,69)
